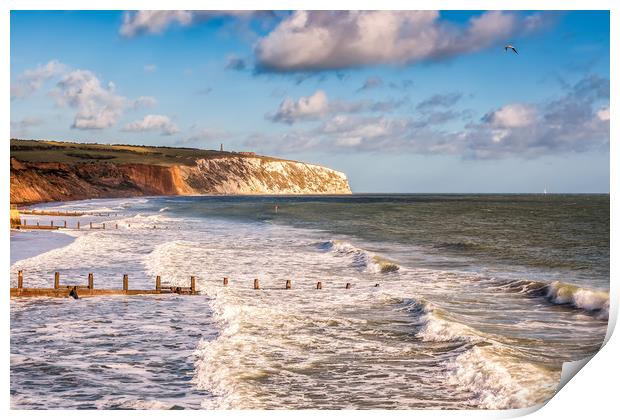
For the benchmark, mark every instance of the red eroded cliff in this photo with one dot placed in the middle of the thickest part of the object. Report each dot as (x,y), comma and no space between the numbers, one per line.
(37,182)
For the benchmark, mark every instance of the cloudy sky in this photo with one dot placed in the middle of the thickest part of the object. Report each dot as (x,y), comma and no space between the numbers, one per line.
(416,101)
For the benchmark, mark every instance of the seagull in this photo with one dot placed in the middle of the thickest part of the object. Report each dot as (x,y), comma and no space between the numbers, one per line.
(510,47)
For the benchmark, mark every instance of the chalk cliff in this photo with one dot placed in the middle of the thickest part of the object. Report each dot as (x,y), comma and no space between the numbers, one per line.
(223,173)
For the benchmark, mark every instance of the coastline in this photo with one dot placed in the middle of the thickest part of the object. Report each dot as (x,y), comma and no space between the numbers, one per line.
(28,244)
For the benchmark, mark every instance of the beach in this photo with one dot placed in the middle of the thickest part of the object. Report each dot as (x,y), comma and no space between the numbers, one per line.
(456,301)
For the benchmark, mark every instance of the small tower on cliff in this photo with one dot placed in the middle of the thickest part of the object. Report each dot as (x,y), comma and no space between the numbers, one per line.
(221,147)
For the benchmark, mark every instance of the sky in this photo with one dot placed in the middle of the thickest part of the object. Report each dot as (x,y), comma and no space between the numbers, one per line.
(402,102)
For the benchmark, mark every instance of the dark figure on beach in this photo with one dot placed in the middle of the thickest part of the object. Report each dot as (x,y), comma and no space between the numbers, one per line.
(73,293)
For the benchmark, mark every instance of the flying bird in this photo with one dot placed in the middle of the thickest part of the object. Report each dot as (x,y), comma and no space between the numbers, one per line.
(510,47)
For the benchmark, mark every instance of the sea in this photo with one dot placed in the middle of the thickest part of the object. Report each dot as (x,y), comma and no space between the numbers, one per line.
(454,302)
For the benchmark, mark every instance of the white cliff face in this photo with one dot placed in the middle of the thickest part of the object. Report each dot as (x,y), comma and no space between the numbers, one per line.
(255,175)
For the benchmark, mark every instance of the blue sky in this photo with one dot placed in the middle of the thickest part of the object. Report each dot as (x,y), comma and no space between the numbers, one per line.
(401,102)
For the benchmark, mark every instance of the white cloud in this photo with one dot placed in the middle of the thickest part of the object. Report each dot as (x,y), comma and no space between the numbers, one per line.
(144,102)
(317,106)
(156,21)
(305,108)
(97,106)
(324,40)
(19,129)
(572,123)
(160,123)
(150,68)
(603,113)
(32,80)
(512,116)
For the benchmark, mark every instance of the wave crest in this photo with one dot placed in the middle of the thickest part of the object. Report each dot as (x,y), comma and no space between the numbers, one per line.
(362,259)
(596,302)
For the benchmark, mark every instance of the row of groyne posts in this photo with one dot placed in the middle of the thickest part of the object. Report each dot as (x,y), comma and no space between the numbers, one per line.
(77,291)
(18,223)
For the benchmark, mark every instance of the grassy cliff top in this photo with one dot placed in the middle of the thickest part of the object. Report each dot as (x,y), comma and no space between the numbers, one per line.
(68,152)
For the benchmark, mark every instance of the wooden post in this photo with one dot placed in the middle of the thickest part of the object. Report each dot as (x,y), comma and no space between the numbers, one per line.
(20,279)
(158,283)
(56,280)
(51,223)
(125,282)
(225,281)
(193,284)
(91,281)
(348,286)
(37,223)
(25,222)
(103,226)
(319,285)
(91,225)
(288,284)
(65,224)
(256,284)
(117,226)
(78,225)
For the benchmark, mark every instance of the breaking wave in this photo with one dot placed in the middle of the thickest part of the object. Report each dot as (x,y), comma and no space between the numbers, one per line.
(482,367)
(595,302)
(362,259)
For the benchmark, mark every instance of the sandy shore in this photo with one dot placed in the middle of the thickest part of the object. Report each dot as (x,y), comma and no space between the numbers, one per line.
(27,244)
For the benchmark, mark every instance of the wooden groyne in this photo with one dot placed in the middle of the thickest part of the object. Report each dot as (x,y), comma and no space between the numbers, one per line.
(85,290)
(55,225)
(66,213)
(52,213)
(18,223)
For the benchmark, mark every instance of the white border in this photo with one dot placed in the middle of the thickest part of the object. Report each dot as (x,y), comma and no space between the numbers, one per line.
(592,394)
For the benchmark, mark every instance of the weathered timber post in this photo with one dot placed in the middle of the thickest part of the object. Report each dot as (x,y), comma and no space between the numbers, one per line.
(20,279)
(25,222)
(125,282)
(319,285)
(37,223)
(348,286)
(91,225)
(91,281)
(225,281)
(256,284)
(193,284)
(51,223)
(78,225)
(103,226)
(288,284)
(158,283)
(56,280)
(65,225)
(117,226)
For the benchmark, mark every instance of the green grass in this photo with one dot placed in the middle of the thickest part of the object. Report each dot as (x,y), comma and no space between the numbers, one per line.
(68,152)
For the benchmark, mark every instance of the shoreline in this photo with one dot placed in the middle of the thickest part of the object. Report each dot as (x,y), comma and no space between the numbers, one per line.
(29,244)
